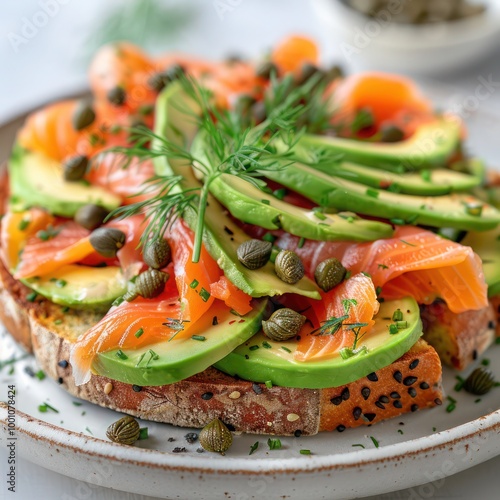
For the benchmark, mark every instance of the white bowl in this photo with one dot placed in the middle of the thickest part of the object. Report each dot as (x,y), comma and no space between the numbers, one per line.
(368,43)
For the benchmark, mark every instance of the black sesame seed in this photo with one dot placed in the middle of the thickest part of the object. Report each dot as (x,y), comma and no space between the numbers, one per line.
(474,354)
(179,449)
(491,325)
(365,392)
(412,392)
(398,376)
(29,371)
(247,356)
(207,396)
(230,427)
(383,399)
(414,407)
(409,380)
(257,388)
(341,428)
(297,433)
(438,402)
(356,413)
(372,377)
(63,363)
(397,404)
(336,400)
(200,450)
(60,380)
(378,404)
(369,416)
(395,395)
(345,394)
(170,439)
(414,364)
(191,437)
(136,388)
(424,385)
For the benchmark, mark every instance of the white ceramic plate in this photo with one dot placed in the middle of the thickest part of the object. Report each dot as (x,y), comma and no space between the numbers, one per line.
(422,447)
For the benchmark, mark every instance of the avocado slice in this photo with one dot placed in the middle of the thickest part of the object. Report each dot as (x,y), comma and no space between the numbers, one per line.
(37,180)
(487,245)
(182,358)
(81,287)
(426,183)
(277,364)
(221,235)
(431,145)
(437,211)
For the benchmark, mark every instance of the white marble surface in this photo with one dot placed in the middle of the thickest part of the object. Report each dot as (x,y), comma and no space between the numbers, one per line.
(51,63)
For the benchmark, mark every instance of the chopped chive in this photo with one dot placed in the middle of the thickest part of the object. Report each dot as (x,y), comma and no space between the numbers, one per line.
(412,219)
(397,315)
(43,408)
(58,321)
(268,384)
(117,301)
(360,445)
(426,175)
(373,193)
(194,283)
(277,221)
(301,242)
(143,433)
(452,400)
(40,375)
(394,188)
(266,345)
(23,225)
(393,329)
(253,347)
(305,452)
(378,290)
(269,237)
(204,294)
(401,325)
(400,431)
(89,431)
(274,444)
(451,407)
(407,243)
(138,333)
(374,441)
(434,429)
(254,447)
(485,362)
(478,400)
(65,309)
(347,275)
(140,359)
(383,266)
(200,338)
(497,340)
(285,349)
(31,296)
(397,222)
(61,283)
(265,202)
(460,384)
(120,354)
(77,403)
(280,193)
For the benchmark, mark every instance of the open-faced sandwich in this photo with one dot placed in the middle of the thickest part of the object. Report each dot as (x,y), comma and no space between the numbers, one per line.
(270,244)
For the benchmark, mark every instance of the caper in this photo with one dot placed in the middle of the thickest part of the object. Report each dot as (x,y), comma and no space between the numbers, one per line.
(283,324)
(107,241)
(479,382)
(91,216)
(174,72)
(75,167)
(157,253)
(329,274)
(266,69)
(124,431)
(254,254)
(289,267)
(391,133)
(158,81)
(151,283)
(216,437)
(83,116)
(117,96)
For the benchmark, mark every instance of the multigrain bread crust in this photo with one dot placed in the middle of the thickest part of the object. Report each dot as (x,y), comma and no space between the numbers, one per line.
(410,383)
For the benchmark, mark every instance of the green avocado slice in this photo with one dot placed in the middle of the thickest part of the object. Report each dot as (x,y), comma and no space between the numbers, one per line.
(426,183)
(487,245)
(168,362)
(37,180)
(431,145)
(437,211)
(221,235)
(278,366)
(81,287)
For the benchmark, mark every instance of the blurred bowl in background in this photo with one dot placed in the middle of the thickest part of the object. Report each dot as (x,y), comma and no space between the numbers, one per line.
(425,49)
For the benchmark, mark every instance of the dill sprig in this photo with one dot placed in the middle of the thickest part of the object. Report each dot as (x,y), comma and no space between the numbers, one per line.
(230,147)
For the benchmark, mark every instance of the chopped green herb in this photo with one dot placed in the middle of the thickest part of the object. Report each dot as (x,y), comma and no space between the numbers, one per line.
(253,347)
(347,303)
(394,188)
(269,237)
(400,431)
(266,345)
(254,447)
(117,301)
(383,266)
(77,403)
(65,309)
(204,294)
(47,234)
(120,354)
(485,362)
(265,202)
(280,193)
(143,433)
(200,338)
(460,384)
(451,407)
(374,441)
(301,242)
(152,356)
(407,243)
(378,290)
(138,333)
(393,329)
(434,429)
(412,219)
(398,222)
(194,283)
(45,407)
(373,193)
(23,225)
(497,340)
(397,315)
(478,400)
(61,283)
(426,175)
(268,384)
(274,444)
(305,452)
(89,431)
(31,297)
(359,445)
(285,349)
(348,274)
(58,321)
(319,215)
(401,325)
(40,375)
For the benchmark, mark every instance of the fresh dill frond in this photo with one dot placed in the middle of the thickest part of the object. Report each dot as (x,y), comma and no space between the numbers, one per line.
(331,326)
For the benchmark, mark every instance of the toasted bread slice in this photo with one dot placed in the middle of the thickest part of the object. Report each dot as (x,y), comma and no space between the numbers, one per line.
(410,383)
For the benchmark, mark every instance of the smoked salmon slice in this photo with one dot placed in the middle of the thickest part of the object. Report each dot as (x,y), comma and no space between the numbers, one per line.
(444,268)
(231,295)
(355,300)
